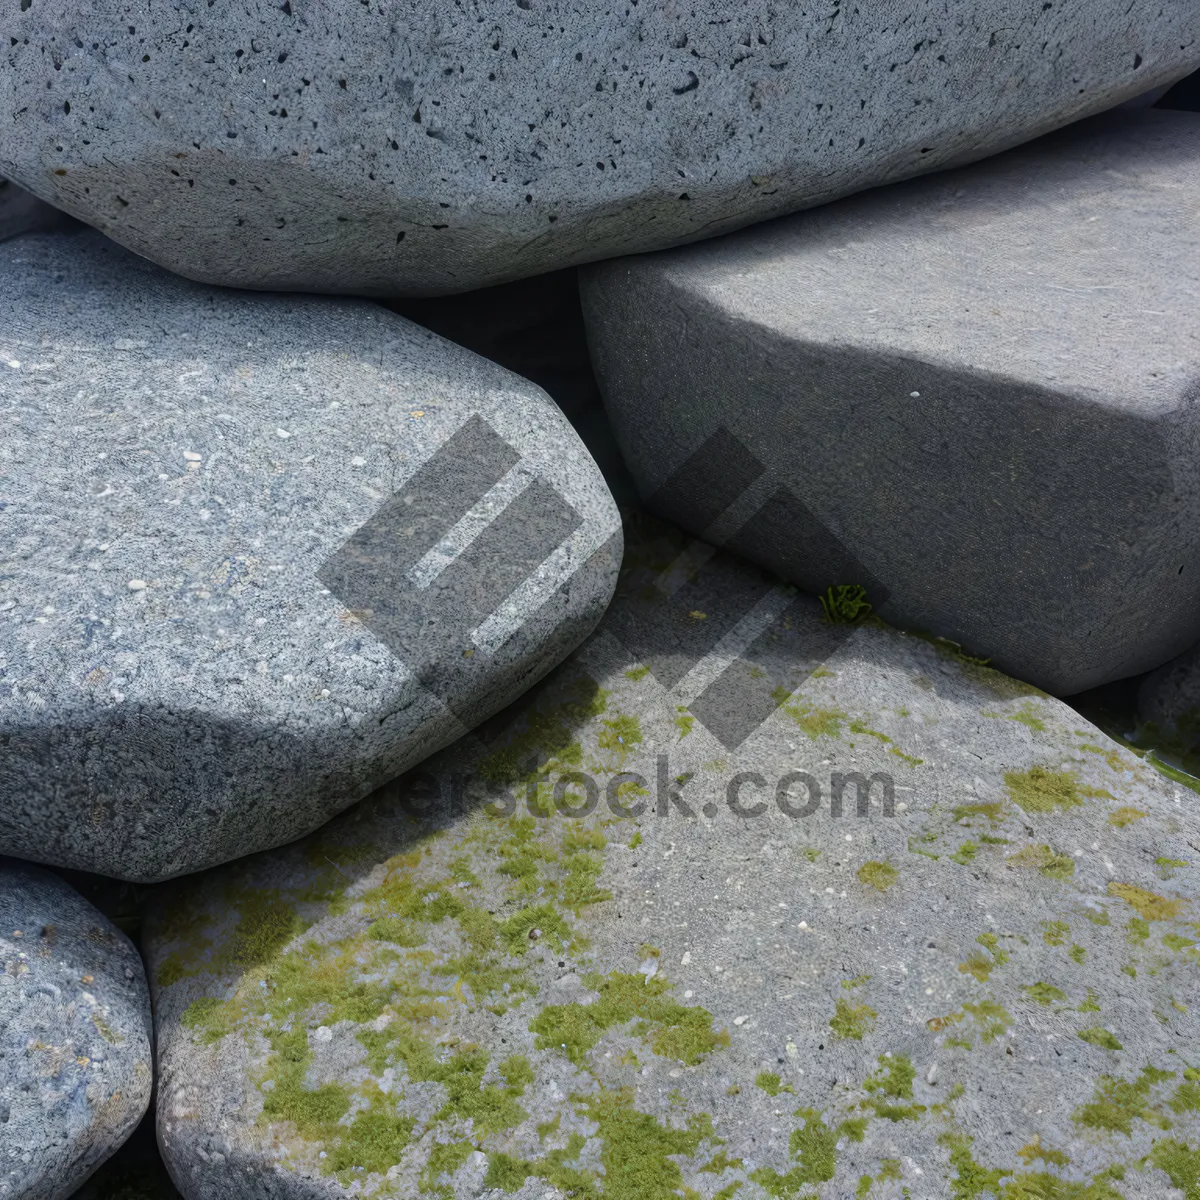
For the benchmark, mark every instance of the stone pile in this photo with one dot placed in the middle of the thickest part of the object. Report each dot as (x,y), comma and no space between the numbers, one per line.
(483,838)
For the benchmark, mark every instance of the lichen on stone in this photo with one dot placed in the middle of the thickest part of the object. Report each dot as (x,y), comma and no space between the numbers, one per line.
(878,875)
(852,1021)
(1042,789)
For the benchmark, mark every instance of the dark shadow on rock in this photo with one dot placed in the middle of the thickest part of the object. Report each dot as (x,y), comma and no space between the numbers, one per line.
(533,327)
(153,799)
(1185,95)
(135,1172)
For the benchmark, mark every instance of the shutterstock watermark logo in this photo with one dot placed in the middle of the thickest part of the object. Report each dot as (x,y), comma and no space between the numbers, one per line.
(705,623)
(630,794)
(450,566)
(434,572)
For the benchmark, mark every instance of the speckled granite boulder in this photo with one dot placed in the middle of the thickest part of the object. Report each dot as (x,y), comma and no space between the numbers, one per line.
(22,212)
(593,950)
(973,394)
(428,147)
(75,1067)
(261,554)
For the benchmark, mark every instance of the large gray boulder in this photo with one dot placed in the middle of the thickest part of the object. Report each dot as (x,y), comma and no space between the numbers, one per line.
(260,553)
(22,212)
(974,394)
(75,1061)
(922,924)
(428,147)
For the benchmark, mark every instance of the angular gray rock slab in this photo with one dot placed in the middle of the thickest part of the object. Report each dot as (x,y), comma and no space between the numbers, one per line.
(75,1059)
(459,989)
(973,394)
(432,148)
(22,212)
(260,554)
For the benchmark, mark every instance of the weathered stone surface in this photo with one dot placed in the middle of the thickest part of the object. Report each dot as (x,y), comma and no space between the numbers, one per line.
(991,986)
(974,394)
(75,1069)
(430,147)
(261,553)
(22,212)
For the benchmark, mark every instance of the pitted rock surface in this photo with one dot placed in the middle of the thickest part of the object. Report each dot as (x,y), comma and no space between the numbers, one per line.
(426,147)
(973,394)
(592,950)
(75,1062)
(261,554)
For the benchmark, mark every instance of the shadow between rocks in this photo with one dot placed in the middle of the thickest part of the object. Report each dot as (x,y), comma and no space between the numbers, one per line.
(533,327)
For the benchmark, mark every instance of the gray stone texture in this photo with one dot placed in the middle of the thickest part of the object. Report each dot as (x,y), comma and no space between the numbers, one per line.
(426,147)
(75,1058)
(22,212)
(261,553)
(992,979)
(976,394)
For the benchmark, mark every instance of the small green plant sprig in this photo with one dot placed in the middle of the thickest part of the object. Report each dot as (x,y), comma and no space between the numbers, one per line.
(845,604)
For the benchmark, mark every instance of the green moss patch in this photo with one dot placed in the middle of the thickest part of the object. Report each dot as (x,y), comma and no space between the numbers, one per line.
(673,1030)
(638,1154)
(1045,860)
(1042,790)
(1125,815)
(814,721)
(1117,1103)
(1181,1165)
(852,1021)
(814,1145)
(981,966)
(891,1083)
(879,875)
(771,1083)
(1148,905)
(994,812)
(1097,1036)
(1045,993)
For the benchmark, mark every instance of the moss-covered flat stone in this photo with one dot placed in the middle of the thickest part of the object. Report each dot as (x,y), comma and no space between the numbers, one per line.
(595,950)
